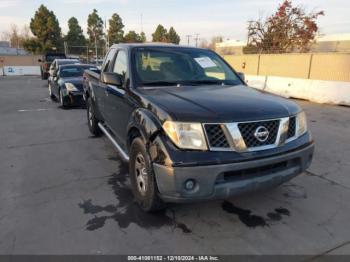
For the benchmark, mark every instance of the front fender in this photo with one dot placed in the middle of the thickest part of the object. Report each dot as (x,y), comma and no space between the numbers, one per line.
(146,123)
(150,129)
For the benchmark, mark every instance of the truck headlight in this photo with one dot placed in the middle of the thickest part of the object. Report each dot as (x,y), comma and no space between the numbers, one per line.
(186,135)
(70,87)
(301,124)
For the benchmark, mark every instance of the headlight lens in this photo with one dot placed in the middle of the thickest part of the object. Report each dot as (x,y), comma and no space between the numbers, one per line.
(301,124)
(71,87)
(186,135)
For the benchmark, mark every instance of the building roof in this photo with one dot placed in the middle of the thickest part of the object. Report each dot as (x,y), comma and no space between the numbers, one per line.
(231,43)
(4,44)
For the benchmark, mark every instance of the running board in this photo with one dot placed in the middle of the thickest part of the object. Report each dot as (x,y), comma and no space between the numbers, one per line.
(121,152)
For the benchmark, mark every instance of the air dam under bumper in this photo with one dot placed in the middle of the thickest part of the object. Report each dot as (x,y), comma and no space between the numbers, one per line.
(227,180)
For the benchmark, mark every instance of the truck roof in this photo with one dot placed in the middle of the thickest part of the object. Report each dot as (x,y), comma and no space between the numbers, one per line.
(77,65)
(151,44)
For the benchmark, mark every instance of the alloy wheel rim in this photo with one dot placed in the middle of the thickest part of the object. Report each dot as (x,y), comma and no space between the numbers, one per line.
(141,174)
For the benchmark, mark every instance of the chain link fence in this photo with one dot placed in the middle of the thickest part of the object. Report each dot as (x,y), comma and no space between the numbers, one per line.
(86,54)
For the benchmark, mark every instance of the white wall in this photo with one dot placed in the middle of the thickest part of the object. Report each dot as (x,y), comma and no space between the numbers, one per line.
(21,70)
(319,91)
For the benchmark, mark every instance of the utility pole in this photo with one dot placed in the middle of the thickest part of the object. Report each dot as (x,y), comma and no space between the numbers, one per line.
(95,47)
(188,39)
(141,22)
(196,39)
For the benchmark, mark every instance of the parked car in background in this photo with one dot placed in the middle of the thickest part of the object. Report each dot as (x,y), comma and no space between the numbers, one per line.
(189,126)
(66,84)
(58,62)
(46,61)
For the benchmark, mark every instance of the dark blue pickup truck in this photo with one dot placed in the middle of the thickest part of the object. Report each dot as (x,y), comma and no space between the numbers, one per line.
(189,126)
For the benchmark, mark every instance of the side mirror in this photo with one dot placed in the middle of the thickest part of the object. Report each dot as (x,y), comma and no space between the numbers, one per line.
(112,79)
(241,75)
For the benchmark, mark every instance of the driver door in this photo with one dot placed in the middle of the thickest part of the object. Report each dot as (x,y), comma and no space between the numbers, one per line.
(118,105)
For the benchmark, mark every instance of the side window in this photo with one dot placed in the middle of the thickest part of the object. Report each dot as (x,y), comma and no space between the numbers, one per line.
(120,65)
(108,60)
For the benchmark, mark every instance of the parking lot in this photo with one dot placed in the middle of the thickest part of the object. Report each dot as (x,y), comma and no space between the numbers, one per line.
(63,191)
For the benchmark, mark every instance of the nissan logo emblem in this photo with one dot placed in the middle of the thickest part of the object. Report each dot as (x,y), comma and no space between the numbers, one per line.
(261,133)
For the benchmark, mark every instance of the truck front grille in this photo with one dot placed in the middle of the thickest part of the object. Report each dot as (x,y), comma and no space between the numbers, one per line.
(216,136)
(248,129)
(244,136)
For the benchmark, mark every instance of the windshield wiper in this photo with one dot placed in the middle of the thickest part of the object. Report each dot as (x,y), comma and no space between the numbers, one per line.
(211,82)
(205,82)
(160,83)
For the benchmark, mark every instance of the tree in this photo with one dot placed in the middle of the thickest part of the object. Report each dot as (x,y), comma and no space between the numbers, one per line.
(289,29)
(26,32)
(173,37)
(33,45)
(143,37)
(15,37)
(212,44)
(45,27)
(75,37)
(160,35)
(133,37)
(115,31)
(95,29)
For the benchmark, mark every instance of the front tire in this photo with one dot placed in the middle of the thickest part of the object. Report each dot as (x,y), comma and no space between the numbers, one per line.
(143,182)
(91,117)
(61,98)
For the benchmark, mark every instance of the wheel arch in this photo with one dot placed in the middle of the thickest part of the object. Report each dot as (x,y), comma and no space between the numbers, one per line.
(142,124)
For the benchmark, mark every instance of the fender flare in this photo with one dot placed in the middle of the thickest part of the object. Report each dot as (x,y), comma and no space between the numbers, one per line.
(146,123)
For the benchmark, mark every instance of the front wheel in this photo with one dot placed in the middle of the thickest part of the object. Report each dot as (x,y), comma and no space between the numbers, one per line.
(62,102)
(143,183)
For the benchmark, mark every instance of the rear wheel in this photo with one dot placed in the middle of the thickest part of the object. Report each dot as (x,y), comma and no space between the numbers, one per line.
(45,76)
(142,178)
(91,117)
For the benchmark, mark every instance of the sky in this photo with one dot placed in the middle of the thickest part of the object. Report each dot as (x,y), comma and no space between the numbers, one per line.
(207,18)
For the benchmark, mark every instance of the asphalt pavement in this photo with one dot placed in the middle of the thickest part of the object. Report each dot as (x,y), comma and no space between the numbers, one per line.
(63,191)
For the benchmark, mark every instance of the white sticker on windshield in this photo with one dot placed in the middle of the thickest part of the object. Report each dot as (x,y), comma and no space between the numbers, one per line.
(205,62)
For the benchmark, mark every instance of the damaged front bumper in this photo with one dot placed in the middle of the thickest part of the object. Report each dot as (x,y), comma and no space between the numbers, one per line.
(221,181)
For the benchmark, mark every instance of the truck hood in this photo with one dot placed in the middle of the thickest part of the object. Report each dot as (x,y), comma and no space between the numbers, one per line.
(219,103)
